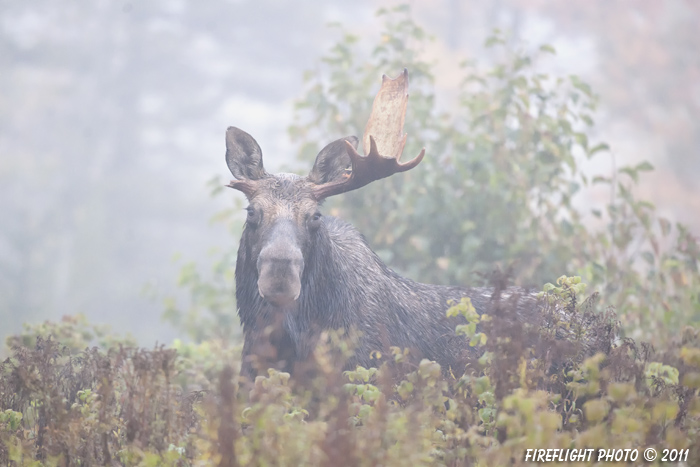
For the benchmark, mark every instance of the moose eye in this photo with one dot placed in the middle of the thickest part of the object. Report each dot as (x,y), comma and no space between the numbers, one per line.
(315,220)
(251,218)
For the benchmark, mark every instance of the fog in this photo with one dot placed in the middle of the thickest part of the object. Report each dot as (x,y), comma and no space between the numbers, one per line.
(113,113)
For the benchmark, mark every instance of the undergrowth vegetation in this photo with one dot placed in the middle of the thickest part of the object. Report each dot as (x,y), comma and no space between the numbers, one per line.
(497,188)
(530,388)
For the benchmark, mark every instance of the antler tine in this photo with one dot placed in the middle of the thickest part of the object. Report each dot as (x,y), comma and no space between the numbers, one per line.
(384,130)
(247,187)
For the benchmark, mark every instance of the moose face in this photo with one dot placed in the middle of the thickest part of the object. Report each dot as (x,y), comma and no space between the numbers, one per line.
(283,212)
(281,224)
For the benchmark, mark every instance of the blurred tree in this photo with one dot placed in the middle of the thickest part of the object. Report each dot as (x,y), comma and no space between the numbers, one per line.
(497,185)
(105,122)
(640,56)
(499,176)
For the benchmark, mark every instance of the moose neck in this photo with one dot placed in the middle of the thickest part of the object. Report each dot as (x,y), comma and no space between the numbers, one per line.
(333,293)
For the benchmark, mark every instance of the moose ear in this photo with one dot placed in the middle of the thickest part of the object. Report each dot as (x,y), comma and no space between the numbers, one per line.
(332,162)
(243,155)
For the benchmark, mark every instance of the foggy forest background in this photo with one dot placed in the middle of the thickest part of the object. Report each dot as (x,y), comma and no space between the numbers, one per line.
(112,120)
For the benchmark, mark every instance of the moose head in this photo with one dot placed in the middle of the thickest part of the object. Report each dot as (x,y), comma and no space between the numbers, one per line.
(283,212)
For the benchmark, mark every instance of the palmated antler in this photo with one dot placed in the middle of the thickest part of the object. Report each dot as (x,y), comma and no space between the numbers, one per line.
(383,135)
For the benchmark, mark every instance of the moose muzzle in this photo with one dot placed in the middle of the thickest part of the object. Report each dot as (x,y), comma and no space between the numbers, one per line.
(280,266)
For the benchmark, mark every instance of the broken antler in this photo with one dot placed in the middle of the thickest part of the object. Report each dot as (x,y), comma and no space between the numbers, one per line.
(383,135)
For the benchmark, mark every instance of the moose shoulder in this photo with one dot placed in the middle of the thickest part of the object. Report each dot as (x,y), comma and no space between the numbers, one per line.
(299,273)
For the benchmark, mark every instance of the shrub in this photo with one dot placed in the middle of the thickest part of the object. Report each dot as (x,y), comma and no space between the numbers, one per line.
(500,180)
(531,389)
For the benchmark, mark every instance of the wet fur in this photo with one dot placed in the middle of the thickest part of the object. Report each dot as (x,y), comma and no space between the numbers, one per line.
(346,286)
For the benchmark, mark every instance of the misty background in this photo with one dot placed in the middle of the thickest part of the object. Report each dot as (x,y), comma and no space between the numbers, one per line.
(113,113)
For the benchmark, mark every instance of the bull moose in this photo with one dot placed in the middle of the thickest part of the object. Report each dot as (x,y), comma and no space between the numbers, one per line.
(299,273)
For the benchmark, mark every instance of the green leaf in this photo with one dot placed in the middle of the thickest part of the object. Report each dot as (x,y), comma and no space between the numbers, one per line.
(644,167)
(598,148)
(631,172)
(493,40)
(548,48)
